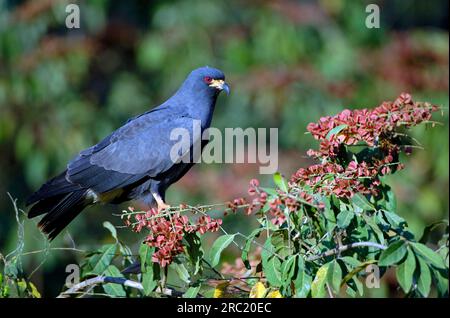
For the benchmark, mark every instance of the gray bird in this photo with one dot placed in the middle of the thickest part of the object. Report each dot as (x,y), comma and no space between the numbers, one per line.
(135,161)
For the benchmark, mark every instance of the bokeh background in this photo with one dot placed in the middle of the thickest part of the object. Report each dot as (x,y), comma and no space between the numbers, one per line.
(288,62)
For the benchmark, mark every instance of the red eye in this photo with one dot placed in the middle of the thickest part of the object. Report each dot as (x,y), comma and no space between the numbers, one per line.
(207,79)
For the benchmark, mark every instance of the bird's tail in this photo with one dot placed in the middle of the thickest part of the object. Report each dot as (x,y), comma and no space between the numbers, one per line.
(60,201)
(56,186)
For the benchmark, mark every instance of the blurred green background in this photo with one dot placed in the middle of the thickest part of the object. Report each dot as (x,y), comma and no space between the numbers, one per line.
(288,62)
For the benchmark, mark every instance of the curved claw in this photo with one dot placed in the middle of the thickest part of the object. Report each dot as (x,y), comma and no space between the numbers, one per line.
(161,204)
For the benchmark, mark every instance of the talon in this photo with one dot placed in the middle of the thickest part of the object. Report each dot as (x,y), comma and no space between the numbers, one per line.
(161,204)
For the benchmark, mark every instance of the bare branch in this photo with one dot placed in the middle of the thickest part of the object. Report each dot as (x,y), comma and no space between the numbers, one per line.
(98,280)
(346,247)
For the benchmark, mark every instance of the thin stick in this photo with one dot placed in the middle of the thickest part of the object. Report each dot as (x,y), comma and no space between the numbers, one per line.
(344,248)
(75,289)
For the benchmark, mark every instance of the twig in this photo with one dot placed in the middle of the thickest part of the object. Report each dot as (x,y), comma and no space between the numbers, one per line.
(318,242)
(220,227)
(344,248)
(330,293)
(213,269)
(75,289)
(53,249)
(260,245)
(20,230)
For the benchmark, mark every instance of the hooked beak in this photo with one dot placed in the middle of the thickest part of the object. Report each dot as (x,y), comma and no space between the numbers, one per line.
(220,85)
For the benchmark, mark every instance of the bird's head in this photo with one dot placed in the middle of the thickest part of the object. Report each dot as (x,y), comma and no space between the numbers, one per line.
(209,79)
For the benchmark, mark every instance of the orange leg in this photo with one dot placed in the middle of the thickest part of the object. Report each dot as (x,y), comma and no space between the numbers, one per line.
(161,204)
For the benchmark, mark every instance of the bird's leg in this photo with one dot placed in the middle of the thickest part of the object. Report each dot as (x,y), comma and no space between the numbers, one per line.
(161,204)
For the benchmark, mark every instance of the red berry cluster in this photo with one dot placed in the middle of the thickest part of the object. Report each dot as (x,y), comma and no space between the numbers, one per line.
(332,178)
(367,126)
(276,205)
(253,206)
(375,128)
(167,231)
(259,200)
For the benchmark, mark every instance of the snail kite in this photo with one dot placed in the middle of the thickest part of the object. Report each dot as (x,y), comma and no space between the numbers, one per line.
(134,162)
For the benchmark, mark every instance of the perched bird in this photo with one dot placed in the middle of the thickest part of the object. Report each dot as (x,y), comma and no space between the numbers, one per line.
(134,162)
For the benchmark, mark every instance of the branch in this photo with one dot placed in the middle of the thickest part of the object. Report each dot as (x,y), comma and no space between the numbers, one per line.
(91,282)
(346,247)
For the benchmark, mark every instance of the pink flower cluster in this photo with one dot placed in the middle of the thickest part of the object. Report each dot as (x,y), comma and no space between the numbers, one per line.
(368,126)
(259,200)
(332,178)
(167,231)
(376,128)
(276,205)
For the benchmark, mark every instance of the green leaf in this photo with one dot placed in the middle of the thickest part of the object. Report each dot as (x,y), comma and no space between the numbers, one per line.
(126,252)
(270,191)
(22,285)
(34,291)
(394,219)
(318,284)
(280,182)
(335,276)
(351,279)
(271,264)
(219,245)
(267,251)
(100,261)
(405,272)
(255,233)
(149,279)
(350,261)
(391,201)
(351,292)
(429,255)
(356,285)
(145,254)
(375,228)
(111,229)
(393,254)
(328,215)
(272,270)
(424,280)
(302,281)
(192,292)
(344,218)
(429,228)
(182,272)
(111,289)
(336,130)
(279,243)
(360,201)
(353,272)
(441,280)
(379,219)
(194,251)
(288,270)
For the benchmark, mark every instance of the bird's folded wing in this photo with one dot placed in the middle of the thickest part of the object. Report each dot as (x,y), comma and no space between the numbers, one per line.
(140,149)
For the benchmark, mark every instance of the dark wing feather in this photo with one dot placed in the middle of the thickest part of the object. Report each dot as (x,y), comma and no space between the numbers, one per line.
(101,180)
(53,187)
(136,151)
